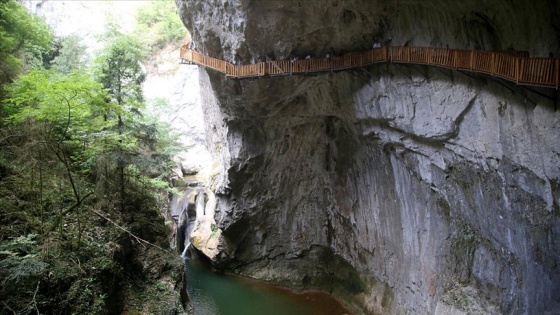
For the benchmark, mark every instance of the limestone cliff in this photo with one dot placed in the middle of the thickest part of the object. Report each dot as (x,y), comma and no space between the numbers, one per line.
(401,189)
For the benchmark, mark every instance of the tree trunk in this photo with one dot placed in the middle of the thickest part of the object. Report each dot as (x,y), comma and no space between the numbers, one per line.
(120,167)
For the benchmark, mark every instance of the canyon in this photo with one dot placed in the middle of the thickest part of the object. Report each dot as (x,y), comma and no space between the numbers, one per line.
(400,189)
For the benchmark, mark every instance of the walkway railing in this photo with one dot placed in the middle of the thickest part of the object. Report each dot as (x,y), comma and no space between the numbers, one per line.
(510,65)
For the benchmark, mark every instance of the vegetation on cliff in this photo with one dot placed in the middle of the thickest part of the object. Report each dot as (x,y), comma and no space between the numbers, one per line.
(82,177)
(159,20)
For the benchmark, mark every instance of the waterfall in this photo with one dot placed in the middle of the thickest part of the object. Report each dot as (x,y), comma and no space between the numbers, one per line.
(179,206)
(187,209)
(183,233)
(200,204)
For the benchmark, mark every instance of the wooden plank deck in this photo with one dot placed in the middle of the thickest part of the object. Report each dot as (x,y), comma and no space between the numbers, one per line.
(514,66)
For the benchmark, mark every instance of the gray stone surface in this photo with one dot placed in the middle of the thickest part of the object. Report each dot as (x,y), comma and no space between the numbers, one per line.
(401,189)
(177,87)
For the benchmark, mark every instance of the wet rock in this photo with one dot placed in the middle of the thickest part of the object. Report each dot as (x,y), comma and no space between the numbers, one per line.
(206,237)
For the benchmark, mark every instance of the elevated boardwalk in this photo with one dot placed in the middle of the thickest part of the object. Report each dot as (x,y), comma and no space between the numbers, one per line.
(510,65)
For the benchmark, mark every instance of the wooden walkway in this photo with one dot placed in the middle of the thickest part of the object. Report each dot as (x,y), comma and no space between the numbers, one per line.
(510,65)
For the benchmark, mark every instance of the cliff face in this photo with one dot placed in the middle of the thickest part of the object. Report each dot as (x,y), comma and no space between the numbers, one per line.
(398,188)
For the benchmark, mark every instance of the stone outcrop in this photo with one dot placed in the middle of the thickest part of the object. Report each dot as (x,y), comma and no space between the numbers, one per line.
(397,188)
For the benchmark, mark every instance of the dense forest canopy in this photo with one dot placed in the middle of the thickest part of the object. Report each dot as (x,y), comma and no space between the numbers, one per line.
(83,169)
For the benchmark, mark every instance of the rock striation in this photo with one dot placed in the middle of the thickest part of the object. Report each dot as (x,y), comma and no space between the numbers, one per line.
(400,189)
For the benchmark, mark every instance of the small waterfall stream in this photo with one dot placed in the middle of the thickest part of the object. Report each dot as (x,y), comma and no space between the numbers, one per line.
(215,294)
(190,222)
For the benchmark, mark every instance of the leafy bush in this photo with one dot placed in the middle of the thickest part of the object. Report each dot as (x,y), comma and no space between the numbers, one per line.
(159,20)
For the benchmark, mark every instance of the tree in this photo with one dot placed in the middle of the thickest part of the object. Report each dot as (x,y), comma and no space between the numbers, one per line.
(122,76)
(60,127)
(121,71)
(71,54)
(61,109)
(56,127)
(20,32)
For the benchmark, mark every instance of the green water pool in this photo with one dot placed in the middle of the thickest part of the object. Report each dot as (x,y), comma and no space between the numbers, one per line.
(214,294)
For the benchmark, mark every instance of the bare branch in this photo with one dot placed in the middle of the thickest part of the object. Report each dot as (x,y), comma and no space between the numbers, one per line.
(34,296)
(9,308)
(65,212)
(138,239)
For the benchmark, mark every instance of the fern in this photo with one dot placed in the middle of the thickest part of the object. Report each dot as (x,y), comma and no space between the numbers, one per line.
(18,262)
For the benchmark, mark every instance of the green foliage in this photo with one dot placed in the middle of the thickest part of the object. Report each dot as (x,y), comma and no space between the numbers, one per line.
(138,143)
(19,262)
(159,20)
(65,101)
(120,70)
(20,268)
(49,55)
(22,37)
(65,107)
(71,55)
(68,141)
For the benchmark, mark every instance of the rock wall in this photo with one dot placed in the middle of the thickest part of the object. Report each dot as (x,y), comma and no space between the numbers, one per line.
(400,189)
(173,94)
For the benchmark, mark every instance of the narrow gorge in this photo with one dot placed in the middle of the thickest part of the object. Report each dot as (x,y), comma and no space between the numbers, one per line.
(399,189)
